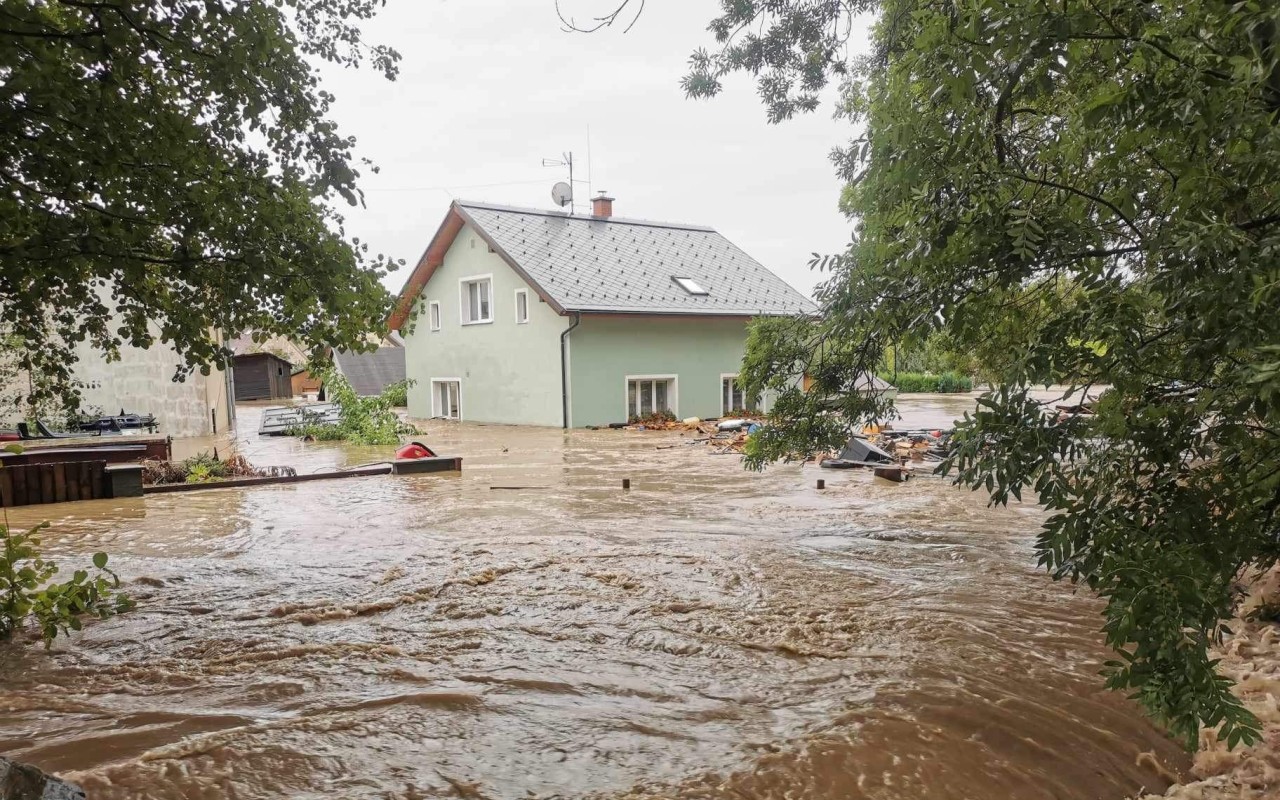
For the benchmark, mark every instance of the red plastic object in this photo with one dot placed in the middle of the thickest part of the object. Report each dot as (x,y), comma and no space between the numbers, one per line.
(415,450)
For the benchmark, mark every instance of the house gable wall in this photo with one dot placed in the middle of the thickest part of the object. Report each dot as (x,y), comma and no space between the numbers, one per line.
(509,372)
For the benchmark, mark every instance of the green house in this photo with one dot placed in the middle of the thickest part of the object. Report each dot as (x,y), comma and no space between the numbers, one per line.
(530,317)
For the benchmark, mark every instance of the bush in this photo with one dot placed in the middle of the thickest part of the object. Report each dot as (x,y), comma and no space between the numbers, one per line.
(28,598)
(361,420)
(205,468)
(947,382)
(397,394)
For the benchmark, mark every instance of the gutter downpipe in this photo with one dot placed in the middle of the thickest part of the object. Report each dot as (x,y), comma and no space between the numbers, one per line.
(564,367)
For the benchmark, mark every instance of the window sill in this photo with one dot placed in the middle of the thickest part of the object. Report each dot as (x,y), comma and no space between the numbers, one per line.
(479,322)
(522,322)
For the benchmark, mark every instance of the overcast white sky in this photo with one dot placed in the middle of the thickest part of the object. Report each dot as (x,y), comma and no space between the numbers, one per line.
(488,88)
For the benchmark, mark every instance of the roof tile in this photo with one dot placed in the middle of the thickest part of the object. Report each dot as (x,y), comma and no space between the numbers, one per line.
(623,265)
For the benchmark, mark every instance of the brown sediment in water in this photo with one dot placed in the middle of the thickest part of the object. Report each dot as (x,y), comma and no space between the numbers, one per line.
(711,633)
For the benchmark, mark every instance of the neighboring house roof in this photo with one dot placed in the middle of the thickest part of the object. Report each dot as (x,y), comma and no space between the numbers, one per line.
(290,351)
(872,383)
(611,264)
(370,373)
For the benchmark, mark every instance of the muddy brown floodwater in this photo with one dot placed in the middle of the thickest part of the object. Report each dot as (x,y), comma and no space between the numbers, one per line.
(710,634)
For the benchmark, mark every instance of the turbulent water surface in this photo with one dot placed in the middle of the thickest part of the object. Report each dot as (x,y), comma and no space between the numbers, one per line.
(710,633)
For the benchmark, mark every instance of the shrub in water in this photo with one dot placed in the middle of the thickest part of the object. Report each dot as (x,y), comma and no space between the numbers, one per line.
(27,597)
(913,382)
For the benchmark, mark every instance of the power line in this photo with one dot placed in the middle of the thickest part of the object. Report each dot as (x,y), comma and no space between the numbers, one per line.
(452,187)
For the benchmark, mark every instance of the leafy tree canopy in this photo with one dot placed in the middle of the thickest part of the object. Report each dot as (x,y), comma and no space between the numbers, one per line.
(1090,191)
(170,161)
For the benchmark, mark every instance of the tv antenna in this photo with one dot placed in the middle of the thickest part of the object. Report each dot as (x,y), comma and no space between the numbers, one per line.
(562,192)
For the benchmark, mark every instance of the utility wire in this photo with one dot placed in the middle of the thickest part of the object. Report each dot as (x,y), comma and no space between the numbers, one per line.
(451,188)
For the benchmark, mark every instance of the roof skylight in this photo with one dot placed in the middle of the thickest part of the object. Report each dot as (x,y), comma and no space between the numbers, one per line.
(690,286)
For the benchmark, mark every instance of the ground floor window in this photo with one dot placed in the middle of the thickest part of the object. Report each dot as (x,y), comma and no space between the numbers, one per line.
(650,395)
(446,399)
(732,398)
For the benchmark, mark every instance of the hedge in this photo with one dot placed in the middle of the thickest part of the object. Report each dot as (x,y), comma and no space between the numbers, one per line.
(947,382)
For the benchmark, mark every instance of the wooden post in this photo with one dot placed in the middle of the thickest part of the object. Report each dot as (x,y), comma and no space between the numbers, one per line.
(46,483)
(822,484)
(19,485)
(60,482)
(96,489)
(626,484)
(86,485)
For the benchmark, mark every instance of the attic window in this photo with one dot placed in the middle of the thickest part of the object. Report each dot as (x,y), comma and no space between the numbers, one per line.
(690,286)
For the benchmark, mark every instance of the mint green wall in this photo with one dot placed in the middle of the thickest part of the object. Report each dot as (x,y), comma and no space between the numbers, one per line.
(604,350)
(509,373)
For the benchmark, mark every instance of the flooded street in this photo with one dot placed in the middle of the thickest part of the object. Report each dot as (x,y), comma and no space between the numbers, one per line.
(711,633)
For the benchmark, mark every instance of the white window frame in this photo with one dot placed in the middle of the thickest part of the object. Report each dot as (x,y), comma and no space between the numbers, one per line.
(462,299)
(435,396)
(720,388)
(673,396)
(525,293)
(433,315)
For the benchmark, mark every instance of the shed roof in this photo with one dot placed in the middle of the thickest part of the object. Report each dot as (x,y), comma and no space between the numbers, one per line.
(279,346)
(613,264)
(370,373)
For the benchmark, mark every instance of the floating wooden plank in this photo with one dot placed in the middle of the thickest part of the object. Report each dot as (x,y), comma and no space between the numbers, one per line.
(240,483)
(404,466)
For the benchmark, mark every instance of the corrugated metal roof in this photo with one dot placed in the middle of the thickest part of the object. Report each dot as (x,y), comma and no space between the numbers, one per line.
(370,373)
(587,263)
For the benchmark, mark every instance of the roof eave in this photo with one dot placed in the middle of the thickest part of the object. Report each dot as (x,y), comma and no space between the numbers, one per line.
(430,261)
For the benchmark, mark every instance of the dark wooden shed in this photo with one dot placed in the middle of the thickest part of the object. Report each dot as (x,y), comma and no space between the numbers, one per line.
(262,376)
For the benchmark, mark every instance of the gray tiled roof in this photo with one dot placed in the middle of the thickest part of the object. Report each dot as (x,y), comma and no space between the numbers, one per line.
(590,264)
(370,373)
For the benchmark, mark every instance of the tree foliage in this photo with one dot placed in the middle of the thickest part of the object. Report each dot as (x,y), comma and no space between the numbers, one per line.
(167,168)
(361,420)
(30,597)
(1091,191)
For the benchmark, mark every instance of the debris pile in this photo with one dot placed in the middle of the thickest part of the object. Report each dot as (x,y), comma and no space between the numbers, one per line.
(721,435)
(207,469)
(889,452)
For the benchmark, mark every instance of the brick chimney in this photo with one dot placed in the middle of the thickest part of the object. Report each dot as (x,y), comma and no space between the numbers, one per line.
(602,206)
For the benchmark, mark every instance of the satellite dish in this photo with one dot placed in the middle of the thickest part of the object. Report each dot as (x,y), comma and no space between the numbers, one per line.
(562,193)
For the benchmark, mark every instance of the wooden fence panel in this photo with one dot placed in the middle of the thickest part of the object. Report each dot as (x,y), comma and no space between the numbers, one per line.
(34,484)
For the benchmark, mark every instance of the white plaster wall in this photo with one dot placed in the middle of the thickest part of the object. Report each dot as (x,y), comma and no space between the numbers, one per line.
(509,373)
(142,381)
